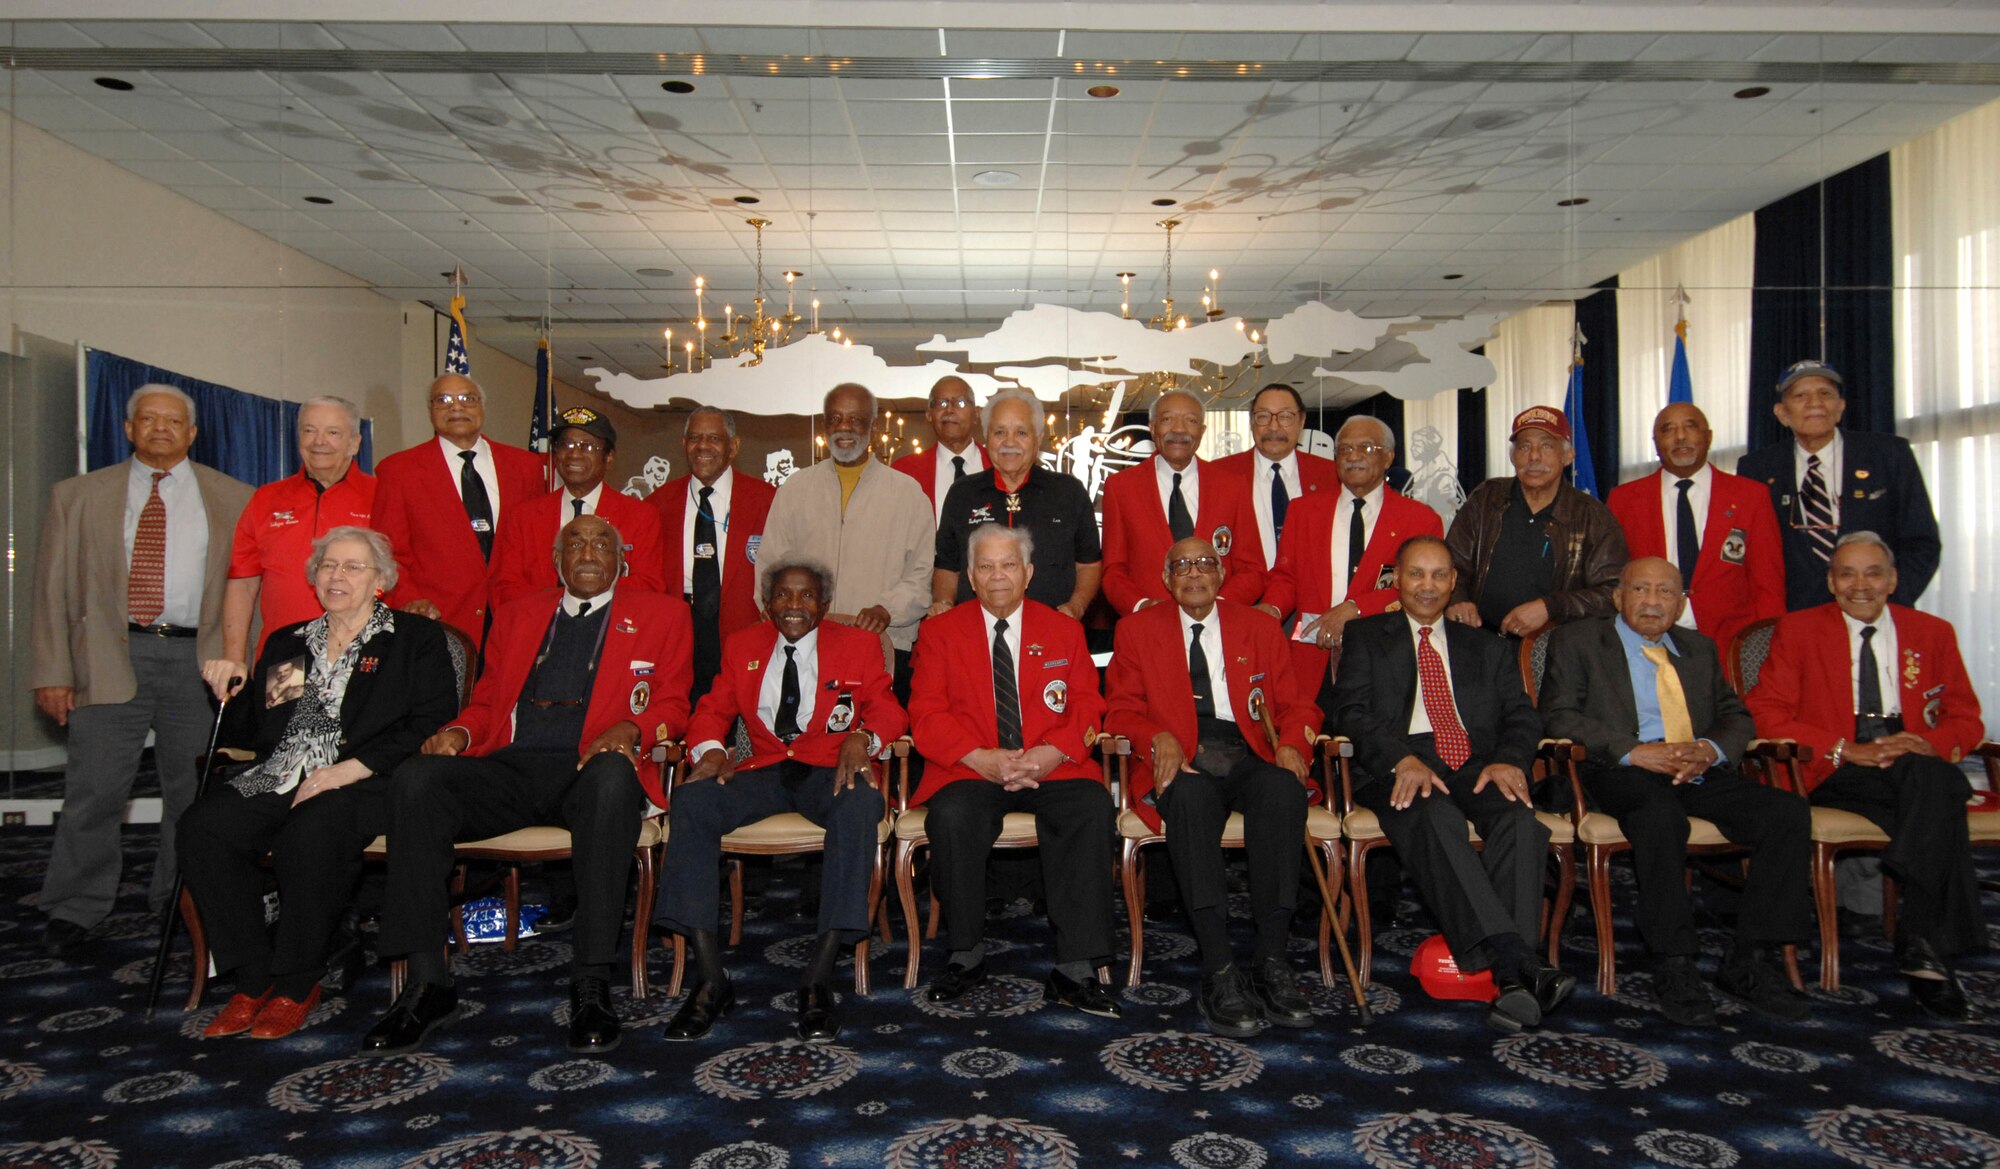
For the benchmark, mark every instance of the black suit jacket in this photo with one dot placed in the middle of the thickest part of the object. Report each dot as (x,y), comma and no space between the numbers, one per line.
(1375,692)
(1881,491)
(389,709)
(1587,692)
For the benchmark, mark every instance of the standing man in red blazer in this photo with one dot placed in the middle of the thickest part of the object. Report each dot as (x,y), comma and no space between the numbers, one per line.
(815,699)
(443,551)
(1889,751)
(954,455)
(711,522)
(1202,687)
(586,447)
(1168,498)
(579,686)
(1338,558)
(1277,474)
(1004,707)
(1717,528)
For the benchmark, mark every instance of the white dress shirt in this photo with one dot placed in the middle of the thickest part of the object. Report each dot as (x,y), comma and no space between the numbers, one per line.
(1211,647)
(943,475)
(1420,718)
(1885,662)
(1013,636)
(718,508)
(1371,510)
(1260,496)
(1830,466)
(1670,515)
(187,536)
(769,694)
(482,462)
(1163,475)
(589,498)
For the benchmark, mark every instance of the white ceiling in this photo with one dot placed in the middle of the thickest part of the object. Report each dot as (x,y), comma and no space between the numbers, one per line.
(1406,158)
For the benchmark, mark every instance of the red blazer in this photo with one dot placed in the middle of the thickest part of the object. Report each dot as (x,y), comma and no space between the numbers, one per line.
(1798,691)
(1148,691)
(951,693)
(1316,473)
(1736,581)
(417,507)
(749,502)
(922,467)
(850,663)
(643,675)
(1136,538)
(523,559)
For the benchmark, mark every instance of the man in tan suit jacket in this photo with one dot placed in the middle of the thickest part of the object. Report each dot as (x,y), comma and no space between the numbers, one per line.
(110,676)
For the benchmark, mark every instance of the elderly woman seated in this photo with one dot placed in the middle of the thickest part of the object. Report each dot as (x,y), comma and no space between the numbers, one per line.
(333,705)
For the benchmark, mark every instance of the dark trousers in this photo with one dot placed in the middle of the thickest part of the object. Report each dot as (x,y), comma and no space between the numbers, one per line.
(1652,811)
(1919,800)
(437,801)
(1074,823)
(316,853)
(1229,778)
(1475,894)
(706,811)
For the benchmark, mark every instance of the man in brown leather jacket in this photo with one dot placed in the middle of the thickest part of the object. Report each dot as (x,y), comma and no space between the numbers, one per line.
(1531,550)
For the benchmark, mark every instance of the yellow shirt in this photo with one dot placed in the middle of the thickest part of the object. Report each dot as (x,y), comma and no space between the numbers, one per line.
(849,476)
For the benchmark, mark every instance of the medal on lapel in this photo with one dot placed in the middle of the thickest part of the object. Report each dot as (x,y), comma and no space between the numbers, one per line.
(1913,667)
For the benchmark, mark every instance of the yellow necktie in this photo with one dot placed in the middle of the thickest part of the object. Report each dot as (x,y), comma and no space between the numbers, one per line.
(1673,700)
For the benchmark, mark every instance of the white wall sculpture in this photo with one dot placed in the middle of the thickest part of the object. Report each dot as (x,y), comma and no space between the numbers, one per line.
(1444,360)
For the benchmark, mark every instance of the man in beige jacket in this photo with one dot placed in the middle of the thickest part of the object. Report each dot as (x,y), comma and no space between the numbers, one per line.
(870,525)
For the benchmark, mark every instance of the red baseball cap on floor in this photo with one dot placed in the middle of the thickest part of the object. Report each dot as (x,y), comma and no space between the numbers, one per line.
(1441,979)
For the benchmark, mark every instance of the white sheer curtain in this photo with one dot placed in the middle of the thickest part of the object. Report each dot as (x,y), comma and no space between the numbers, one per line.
(1717,268)
(1531,352)
(1430,452)
(1945,199)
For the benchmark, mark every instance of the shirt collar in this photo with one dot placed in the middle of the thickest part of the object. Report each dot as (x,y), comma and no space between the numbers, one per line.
(175,474)
(1014,619)
(1210,623)
(1829,455)
(602,601)
(1290,462)
(1633,639)
(1701,477)
(1856,625)
(1415,624)
(451,450)
(589,498)
(806,646)
(1373,498)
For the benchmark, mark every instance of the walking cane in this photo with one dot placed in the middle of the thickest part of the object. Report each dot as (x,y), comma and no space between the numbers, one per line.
(1362,1013)
(171,913)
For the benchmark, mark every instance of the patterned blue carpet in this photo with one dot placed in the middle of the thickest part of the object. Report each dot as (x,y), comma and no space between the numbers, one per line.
(1002,1081)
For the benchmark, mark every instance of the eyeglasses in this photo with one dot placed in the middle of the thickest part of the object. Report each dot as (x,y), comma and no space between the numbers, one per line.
(1369,449)
(1201,564)
(951,403)
(1282,417)
(464,399)
(347,568)
(580,444)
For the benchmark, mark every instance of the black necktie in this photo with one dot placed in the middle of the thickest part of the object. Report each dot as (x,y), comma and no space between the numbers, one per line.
(1687,538)
(1006,692)
(707,562)
(1179,522)
(788,697)
(1280,501)
(1870,703)
(582,608)
(1204,702)
(576,509)
(1357,538)
(478,507)
(957,468)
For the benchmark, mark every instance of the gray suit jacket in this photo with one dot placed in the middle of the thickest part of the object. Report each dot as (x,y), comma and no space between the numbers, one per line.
(79,634)
(1587,692)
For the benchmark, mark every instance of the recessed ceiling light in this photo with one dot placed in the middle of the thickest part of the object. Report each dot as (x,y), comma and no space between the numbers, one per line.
(1102,91)
(1753,91)
(1579,201)
(677,86)
(479,115)
(996,178)
(659,272)
(117,84)
(746,200)
(1454,275)
(1165,202)
(322,200)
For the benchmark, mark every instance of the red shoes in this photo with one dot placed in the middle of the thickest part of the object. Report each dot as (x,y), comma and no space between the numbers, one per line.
(282,1016)
(236,1017)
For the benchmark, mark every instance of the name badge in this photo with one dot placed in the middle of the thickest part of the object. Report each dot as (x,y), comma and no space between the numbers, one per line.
(1736,546)
(482,525)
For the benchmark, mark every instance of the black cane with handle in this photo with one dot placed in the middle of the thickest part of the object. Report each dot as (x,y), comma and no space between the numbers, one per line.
(171,913)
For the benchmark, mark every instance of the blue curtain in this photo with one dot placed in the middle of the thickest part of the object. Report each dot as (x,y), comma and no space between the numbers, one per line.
(252,438)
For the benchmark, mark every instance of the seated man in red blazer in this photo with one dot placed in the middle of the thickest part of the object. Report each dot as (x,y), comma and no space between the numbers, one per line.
(1004,706)
(1168,498)
(1880,694)
(1204,690)
(579,686)
(586,449)
(815,699)
(1717,528)
(444,549)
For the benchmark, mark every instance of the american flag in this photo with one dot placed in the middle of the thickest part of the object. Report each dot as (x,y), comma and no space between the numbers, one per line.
(538,425)
(455,360)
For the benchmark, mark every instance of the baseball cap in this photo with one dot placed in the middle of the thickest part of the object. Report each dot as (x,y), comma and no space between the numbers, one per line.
(1541,418)
(1441,978)
(590,422)
(1810,368)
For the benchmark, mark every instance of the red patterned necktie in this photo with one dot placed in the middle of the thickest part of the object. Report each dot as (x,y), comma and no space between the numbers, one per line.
(1452,744)
(146,584)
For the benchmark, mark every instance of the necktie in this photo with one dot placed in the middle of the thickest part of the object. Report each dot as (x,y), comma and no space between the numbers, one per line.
(1674,719)
(1204,701)
(1357,538)
(1453,745)
(576,509)
(1006,692)
(1686,539)
(478,508)
(957,468)
(146,582)
(707,564)
(582,610)
(1280,501)
(1818,508)
(1179,522)
(1869,701)
(788,697)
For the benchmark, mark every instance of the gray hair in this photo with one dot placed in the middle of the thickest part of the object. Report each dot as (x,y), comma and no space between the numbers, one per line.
(1869,538)
(353,411)
(820,572)
(1153,410)
(1022,538)
(378,551)
(728,420)
(874,408)
(1388,432)
(151,388)
(1012,394)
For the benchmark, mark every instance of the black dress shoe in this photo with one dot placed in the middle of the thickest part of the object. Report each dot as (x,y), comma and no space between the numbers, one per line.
(951,985)
(699,1013)
(1916,958)
(1549,985)
(819,1020)
(1228,1006)
(1276,986)
(1090,996)
(345,965)
(1760,984)
(1681,994)
(61,936)
(1516,1007)
(1943,998)
(561,916)
(422,1008)
(593,1025)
